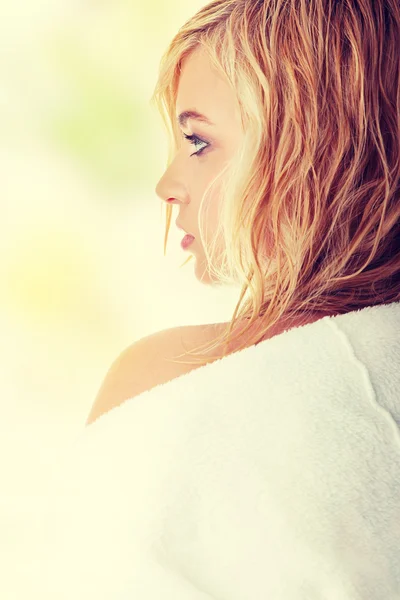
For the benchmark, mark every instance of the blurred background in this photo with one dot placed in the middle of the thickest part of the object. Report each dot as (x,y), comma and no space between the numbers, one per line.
(83,273)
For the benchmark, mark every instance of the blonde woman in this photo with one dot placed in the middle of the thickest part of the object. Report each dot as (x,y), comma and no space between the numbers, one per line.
(260,458)
(293,190)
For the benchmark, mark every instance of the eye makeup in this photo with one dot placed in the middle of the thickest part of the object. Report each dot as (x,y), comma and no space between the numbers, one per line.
(195,140)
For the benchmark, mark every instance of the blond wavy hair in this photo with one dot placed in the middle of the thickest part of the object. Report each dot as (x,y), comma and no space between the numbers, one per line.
(310,211)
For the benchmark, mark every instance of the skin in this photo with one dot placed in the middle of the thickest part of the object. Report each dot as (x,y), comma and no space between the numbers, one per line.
(201,88)
(186,179)
(183,184)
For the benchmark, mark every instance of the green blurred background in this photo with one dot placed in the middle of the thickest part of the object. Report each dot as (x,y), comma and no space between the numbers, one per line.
(82,230)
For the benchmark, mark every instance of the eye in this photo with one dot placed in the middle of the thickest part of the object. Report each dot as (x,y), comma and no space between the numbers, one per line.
(193,139)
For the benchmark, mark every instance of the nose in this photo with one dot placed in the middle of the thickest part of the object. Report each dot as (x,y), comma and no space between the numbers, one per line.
(167,192)
(161,191)
(170,187)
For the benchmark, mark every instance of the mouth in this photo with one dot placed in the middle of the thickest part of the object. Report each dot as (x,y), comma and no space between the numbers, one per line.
(187,240)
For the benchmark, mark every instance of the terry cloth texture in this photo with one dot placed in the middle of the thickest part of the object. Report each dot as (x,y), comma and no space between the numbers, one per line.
(272,473)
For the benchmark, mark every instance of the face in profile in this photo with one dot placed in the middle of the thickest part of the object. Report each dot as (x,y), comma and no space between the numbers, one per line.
(214,140)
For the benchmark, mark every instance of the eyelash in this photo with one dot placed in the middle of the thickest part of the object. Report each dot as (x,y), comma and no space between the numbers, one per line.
(193,139)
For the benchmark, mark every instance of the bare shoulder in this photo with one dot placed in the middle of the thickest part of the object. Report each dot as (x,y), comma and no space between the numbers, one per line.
(145,364)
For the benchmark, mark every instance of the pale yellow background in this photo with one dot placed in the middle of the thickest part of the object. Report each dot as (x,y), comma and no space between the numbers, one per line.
(82,270)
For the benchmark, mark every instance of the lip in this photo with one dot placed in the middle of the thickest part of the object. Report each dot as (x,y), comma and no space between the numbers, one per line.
(187,240)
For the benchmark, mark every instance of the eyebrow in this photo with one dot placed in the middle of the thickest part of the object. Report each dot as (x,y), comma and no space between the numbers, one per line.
(193,114)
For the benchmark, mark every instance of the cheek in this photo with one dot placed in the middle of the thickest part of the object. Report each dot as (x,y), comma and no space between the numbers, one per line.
(210,213)
(209,210)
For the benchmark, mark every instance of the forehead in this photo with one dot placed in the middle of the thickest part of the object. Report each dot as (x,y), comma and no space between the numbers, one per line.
(197,71)
(203,89)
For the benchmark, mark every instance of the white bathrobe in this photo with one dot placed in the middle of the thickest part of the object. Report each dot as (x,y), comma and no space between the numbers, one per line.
(270,474)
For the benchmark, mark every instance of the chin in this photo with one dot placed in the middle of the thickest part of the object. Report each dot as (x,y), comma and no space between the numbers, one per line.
(203,275)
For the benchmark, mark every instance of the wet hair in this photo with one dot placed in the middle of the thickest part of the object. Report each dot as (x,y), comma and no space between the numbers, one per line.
(310,203)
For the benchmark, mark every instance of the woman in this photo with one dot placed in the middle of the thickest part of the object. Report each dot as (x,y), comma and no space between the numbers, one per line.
(275,472)
(299,173)
(296,175)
